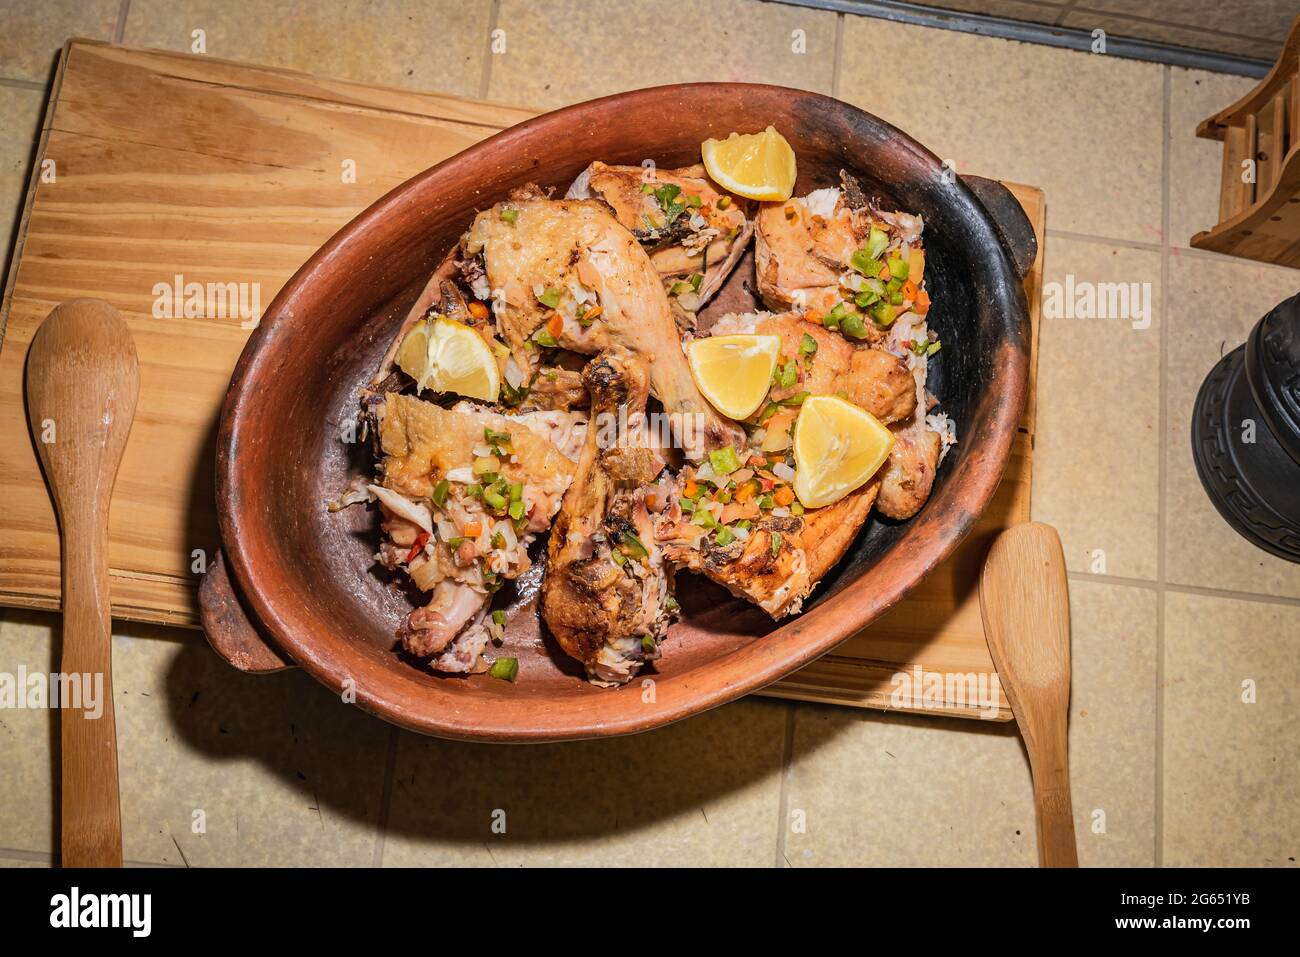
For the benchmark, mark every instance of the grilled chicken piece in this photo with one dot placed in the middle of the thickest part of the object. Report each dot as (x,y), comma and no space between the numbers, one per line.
(783,556)
(920,440)
(683,221)
(803,248)
(871,378)
(450,542)
(605,594)
(578,256)
(557,390)
(781,560)
(909,472)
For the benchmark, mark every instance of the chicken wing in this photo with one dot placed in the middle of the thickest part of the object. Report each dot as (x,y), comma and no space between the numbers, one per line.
(566,273)
(606,593)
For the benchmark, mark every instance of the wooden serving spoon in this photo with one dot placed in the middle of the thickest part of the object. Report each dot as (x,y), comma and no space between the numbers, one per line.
(1025,603)
(82,384)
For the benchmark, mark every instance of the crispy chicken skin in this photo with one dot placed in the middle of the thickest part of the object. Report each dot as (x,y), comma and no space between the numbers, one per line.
(908,475)
(874,379)
(422,442)
(608,613)
(576,248)
(423,445)
(708,233)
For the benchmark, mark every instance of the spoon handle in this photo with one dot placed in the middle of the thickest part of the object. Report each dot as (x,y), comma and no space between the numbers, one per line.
(92,820)
(1053,808)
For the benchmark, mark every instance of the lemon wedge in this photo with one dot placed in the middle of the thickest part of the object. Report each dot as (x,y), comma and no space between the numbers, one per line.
(734,372)
(449,356)
(756,165)
(837,447)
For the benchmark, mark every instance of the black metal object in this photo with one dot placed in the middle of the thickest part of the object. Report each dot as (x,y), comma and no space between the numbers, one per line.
(1246,434)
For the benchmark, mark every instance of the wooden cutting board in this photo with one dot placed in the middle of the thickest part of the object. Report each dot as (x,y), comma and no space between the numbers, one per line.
(154,166)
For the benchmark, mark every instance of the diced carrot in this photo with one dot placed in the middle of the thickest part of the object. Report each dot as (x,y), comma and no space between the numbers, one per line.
(592,313)
(478,310)
(745,492)
(692,487)
(652,501)
(473,529)
(757,461)
(909,290)
(884,273)
(738,510)
(784,495)
(922,304)
(555,325)
(813,317)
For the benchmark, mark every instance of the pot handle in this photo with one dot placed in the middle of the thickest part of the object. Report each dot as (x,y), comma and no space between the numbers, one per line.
(230,628)
(1009,219)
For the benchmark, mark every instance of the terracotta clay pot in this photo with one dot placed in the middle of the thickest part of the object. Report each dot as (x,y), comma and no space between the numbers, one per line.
(298,586)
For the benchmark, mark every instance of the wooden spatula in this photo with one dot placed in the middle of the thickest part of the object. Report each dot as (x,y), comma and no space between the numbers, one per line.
(82,383)
(1025,603)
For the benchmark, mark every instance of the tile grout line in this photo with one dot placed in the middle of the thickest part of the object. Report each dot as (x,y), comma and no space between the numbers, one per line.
(20,84)
(838,55)
(1162,468)
(485,76)
(787,759)
(386,798)
(1253,597)
(1175,249)
(17,854)
(123,10)
(1103,240)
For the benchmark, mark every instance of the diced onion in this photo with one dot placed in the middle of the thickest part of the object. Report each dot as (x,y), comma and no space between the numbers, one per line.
(413,512)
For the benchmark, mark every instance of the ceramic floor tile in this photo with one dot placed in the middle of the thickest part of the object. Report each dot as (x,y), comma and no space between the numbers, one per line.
(435,45)
(565,51)
(24,861)
(32,32)
(1113,723)
(20,118)
(26,734)
(1267,19)
(1085,128)
(704,791)
(897,790)
(282,772)
(1171,33)
(1194,163)
(1096,448)
(1231,764)
(1214,301)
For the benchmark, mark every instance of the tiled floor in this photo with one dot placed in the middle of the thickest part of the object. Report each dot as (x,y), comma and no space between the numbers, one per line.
(1172,613)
